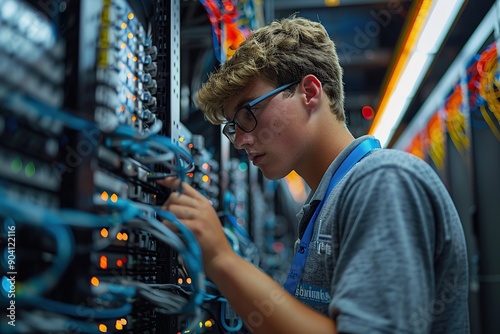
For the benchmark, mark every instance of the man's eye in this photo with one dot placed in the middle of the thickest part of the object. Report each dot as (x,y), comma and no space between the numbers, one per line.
(244,115)
(248,114)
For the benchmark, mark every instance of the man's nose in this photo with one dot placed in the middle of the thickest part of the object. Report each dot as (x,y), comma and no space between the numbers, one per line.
(242,139)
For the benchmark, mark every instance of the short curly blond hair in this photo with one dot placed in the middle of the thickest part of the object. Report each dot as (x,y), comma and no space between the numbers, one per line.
(282,52)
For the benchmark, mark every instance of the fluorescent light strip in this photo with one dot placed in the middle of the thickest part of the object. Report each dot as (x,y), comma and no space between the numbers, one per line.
(401,97)
(397,98)
(437,25)
(452,75)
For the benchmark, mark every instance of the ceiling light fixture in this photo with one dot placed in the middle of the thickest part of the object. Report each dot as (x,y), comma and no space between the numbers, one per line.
(424,38)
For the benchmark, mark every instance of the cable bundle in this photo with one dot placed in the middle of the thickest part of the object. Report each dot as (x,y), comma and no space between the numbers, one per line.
(122,213)
(436,138)
(489,88)
(227,32)
(455,119)
(416,146)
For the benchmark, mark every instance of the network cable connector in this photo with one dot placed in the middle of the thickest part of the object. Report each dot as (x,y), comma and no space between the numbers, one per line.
(205,176)
(125,70)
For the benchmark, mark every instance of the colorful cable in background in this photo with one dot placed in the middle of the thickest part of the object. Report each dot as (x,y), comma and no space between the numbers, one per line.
(455,119)
(488,88)
(231,22)
(417,146)
(482,103)
(436,140)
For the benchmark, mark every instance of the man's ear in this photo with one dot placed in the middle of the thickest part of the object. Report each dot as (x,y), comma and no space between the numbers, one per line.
(312,89)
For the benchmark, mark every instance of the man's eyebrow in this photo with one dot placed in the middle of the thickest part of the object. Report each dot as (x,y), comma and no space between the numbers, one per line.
(242,103)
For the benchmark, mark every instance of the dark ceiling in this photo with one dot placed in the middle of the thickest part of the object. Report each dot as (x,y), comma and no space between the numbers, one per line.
(366,33)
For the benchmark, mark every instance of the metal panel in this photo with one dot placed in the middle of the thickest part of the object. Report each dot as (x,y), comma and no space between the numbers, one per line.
(486,153)
(459,175)
(175,70)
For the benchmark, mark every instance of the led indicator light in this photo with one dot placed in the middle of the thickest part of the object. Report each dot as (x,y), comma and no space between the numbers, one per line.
(94,281)
(16,165)
(103,262)
(243,166)
(367,112)
(104,233)
(29,170)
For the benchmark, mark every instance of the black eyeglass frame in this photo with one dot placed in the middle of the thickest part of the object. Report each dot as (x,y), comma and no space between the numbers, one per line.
(229,128)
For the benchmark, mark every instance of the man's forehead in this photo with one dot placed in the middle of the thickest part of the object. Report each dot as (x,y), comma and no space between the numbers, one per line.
(234,103)
(243,97)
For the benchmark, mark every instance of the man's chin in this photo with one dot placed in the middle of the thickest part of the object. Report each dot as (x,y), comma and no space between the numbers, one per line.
(271,175)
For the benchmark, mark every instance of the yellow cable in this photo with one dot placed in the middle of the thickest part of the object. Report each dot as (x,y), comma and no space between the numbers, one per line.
(489,90)
(490,122)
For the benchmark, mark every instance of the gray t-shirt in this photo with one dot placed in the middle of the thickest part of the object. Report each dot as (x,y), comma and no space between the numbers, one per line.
(388,253)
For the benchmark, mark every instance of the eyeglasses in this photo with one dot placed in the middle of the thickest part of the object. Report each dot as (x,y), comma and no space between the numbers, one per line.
(245,119)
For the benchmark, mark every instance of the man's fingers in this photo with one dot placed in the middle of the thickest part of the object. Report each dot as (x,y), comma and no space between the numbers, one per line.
(180,211)
(176,198)
(173,182)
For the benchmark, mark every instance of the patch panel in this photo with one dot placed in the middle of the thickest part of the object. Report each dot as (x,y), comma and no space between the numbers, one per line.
(84,101)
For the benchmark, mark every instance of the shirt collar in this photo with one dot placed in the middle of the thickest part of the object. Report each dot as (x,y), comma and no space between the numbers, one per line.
(305,214)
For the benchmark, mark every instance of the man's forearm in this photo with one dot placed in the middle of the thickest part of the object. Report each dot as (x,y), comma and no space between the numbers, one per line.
(263,304)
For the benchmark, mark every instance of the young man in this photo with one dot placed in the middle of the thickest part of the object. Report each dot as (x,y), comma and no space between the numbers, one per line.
(382,248)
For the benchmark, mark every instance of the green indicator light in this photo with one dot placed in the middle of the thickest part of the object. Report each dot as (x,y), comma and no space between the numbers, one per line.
(29,170)
(16,165)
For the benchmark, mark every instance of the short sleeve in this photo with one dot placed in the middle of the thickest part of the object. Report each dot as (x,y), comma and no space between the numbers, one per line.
(384,271)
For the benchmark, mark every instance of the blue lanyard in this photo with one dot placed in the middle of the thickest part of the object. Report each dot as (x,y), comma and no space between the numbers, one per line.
(293,278)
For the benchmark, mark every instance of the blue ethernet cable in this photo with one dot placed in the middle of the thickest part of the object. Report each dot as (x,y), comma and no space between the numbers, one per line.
(38,215)
(20,101)
(193,257)
(47,280)
(240,230)
(239,324)
(78,311)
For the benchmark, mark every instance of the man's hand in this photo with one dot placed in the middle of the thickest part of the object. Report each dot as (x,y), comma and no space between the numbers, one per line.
(196,213)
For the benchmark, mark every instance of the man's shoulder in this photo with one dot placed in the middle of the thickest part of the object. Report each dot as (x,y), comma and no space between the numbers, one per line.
(401,161)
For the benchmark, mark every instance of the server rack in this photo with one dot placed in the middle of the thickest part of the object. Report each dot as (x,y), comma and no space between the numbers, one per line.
(89,117)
